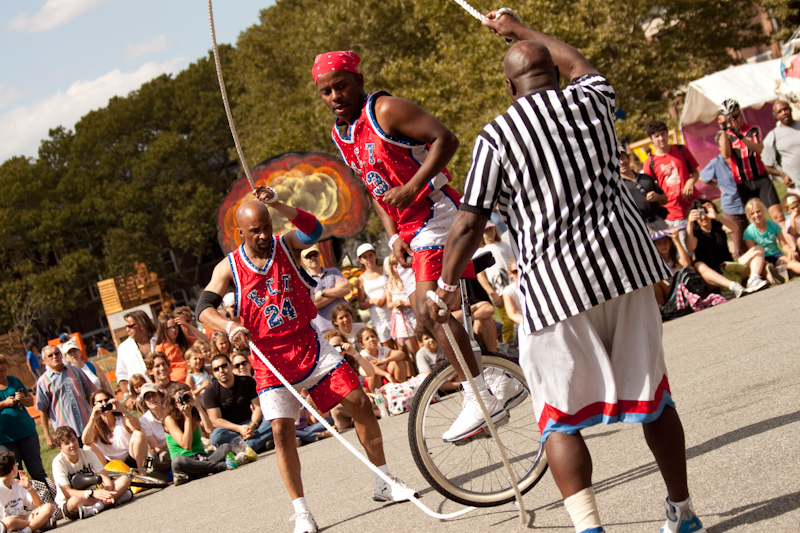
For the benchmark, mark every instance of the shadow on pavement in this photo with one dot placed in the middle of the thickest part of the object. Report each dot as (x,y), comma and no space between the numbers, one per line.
(757,512)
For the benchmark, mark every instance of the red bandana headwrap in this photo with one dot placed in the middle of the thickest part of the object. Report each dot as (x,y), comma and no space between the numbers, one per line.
(345,60)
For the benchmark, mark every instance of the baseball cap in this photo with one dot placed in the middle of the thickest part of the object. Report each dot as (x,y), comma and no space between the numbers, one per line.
(364,248)
(69,345)
(307,251)
(228,299)
(149,387)
(490,224)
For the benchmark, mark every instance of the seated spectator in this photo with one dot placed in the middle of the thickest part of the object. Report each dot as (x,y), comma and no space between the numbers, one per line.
(220,344)
(307,428)
(718,170)
(706,238)
(115,432)
(74,356)
(403,320)
(242,365)
(389,365)
(511,299)
(769,236)
(671,250)
(361,366)
(17,428)
(371,287)
(197,378)
(343,318)
(647,195)
(21,508)
(234,408)
(495,277)
(204,348)
(483,324)
(152,423)
(793,218)
(136,383)
(429,356)
(171,341)
(158,369)
(182,423)
(72,461)
(62,395)
(184,317)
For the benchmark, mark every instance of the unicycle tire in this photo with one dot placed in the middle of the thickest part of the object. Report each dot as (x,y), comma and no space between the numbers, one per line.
(471,472)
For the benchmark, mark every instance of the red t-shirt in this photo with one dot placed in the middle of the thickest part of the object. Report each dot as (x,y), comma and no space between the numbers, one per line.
(672,173)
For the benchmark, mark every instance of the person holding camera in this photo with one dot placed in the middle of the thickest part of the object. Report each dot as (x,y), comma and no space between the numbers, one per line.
(706,238)
(114,431)
(184,417)
(647,195)
(742,146)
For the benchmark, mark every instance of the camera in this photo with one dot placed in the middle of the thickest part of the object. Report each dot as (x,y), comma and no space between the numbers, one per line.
(184,397)
(338,348)
(106,408)
(641,189)
(701,211)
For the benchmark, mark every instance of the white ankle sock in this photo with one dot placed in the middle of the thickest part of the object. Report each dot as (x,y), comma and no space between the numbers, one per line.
(582,509)
(376,478)
(682,506)
(480,383)
(300,505)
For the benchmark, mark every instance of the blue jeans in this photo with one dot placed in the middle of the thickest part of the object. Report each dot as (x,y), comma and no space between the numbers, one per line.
(310,433)
(258,441)
(26,450)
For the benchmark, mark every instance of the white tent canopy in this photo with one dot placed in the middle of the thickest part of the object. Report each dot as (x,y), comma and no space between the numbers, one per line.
(751,84)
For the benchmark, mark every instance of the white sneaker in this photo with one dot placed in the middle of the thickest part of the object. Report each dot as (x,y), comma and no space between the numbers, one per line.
(471,420)
(756,283)
(737,289)
(304,523)
(505,388)
(382,492)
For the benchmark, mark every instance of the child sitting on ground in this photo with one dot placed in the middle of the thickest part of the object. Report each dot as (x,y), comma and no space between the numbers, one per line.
(82,503)
(21,509)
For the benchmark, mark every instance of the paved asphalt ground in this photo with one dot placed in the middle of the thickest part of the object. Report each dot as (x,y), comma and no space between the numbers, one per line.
(734,372)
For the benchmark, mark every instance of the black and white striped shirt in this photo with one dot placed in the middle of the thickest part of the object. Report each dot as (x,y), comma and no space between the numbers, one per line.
(552,165)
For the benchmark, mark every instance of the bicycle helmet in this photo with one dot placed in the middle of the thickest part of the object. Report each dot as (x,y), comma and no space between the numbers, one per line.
(728,107)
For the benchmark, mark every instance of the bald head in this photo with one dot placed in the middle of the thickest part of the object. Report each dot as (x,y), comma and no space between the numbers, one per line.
(529,68)
(254,225)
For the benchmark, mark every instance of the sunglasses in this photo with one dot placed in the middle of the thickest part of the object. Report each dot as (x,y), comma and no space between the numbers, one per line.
(128,326)
(172,328)
(312,255)
(736,116)
(241,365)
(223,366)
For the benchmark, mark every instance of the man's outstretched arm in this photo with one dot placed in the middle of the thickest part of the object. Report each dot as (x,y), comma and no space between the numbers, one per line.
(568,59)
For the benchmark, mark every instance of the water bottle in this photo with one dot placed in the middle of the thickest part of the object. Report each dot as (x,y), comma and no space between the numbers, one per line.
(380,401)
(230,461)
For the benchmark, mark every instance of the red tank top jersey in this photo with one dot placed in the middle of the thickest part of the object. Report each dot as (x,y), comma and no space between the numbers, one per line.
(383,162)
(275,305)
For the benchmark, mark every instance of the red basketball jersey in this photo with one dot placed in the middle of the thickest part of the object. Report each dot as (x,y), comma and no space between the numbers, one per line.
(383,162)
(275,305)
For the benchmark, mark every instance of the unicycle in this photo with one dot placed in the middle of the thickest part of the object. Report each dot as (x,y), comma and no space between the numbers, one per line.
(471,471)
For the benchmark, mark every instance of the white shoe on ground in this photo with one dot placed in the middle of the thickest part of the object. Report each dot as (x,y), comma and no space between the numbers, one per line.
(471,420)
(304,523)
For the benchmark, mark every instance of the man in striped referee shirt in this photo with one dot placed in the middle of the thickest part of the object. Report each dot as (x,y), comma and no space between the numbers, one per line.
(590,344)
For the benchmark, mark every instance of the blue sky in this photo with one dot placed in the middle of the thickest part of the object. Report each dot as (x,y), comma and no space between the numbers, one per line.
(64,58)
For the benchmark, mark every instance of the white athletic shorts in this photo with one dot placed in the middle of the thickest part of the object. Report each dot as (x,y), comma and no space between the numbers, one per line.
(604,365)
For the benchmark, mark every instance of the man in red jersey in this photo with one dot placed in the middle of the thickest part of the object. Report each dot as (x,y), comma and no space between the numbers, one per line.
(274,304)
(400,151)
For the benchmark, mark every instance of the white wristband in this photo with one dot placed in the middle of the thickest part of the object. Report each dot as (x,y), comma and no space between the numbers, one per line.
(392,239)
(237,330)
(445,287)
(228,327)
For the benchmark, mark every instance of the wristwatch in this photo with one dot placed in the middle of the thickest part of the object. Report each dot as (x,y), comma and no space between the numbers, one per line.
(88,493)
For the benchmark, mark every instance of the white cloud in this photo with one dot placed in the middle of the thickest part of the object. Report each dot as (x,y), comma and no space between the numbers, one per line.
(23,128)
(54,13)
(8,95)
(156,44)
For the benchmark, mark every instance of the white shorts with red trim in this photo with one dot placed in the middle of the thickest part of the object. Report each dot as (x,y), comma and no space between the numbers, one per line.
(604,365)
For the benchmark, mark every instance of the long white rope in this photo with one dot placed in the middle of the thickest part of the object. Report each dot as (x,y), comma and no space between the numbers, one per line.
(471,10)
(486,415)
(225,99)
(397,489)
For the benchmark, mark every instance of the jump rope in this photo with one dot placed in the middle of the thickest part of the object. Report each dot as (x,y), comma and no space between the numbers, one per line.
(398,490)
